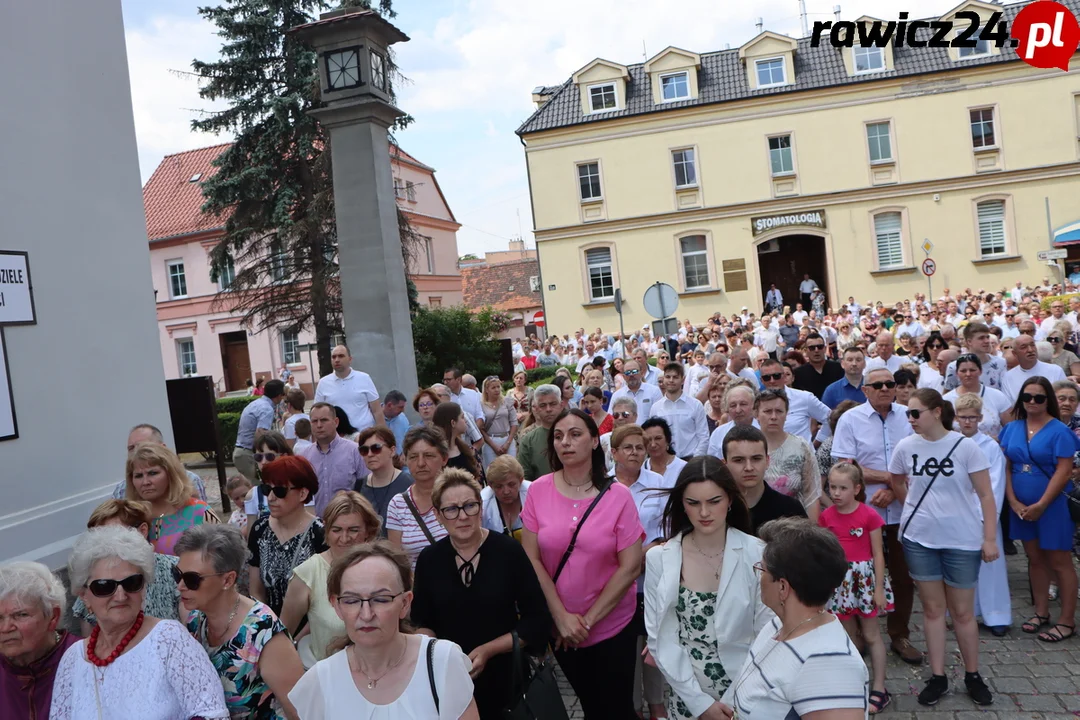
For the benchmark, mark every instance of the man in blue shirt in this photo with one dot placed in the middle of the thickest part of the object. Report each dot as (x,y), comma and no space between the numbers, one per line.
(257,418)
(394,413)
(848,387)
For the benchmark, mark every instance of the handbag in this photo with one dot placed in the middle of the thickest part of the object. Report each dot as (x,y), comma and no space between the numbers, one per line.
(535,691)
(1071,491)
(431,671)
(574,537)
(927,490)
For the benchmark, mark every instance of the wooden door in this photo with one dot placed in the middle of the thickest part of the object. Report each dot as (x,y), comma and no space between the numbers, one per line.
(237,364)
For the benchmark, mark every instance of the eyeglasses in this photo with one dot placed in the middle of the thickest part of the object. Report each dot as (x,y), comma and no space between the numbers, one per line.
(279,490)
(266,457)
(969,418)
(105,588)
(890,384)
(815,347)
(448,380)
(378,602)
(623,414)
(450,512)
(938,346)
(772,376)
(1055,340)
(1037,398)
(631,373)
(425,405)
(759,568)
(914,414)
(192,580)
(372,448)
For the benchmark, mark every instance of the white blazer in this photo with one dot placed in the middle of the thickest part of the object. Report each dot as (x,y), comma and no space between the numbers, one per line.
(739,617)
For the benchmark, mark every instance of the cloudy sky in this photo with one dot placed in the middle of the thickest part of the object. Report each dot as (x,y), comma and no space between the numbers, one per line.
(472,65)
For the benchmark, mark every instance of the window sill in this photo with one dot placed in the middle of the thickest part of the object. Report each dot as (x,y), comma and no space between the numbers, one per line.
(986,149)
(678,99)
(773,85)
(882,163)
(996,259)
(296,366)
(680,188)
(784,175)
(894,271)
(598,303)
(701,291)
(592,201)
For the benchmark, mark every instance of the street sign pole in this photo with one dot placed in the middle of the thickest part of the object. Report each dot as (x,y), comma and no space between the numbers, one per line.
(928,247)
(618,309)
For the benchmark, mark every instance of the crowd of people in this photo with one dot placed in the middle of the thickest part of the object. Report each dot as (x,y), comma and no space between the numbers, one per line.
(707,525)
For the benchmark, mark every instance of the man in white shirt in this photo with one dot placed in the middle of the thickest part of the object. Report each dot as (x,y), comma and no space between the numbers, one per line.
(767,337)
(799,314)
(1011,329)
(684,414)
(649,374)
(1029,365)
(852,306)
(1057,314)
(909,326)
(1017,293)
(802,405)
(885,358)
(642,393)
(468,399)
(805,288)
(586,359)
(351,390)
(773,299)
(738,367)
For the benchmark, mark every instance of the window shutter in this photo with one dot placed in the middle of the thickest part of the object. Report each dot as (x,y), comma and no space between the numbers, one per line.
(991,215)
(890,249)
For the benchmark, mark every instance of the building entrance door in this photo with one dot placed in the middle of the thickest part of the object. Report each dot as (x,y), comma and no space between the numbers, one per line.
(783,261)
(235,360)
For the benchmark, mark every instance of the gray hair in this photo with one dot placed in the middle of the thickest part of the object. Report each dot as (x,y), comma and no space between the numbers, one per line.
(625,401)
(868,371)
(222,545)
(735,386)
(1059,385)
(1045,350)
(545,390)
(32,582)
(110,542)
(155,433)
(436,387)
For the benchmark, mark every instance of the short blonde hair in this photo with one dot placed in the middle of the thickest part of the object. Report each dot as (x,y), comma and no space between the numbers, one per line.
(350,502)
(619,434)
(503,468)
(156,455)
(132,513)
(968,401)
(452,478)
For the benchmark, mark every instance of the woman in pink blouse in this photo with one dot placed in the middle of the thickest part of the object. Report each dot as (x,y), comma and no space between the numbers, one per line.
(589,586)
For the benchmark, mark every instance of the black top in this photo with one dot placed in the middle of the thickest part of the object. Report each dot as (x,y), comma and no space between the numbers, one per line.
(503,587)
(774,505)
(809,379)
(276,562)
(380,497)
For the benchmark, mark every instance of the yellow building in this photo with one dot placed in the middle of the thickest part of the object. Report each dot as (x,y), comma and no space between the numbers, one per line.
(724,172)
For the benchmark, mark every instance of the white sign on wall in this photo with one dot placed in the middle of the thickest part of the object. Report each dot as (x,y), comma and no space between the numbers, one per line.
(16,295)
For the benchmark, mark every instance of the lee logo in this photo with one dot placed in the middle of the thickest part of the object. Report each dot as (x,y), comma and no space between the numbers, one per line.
(1048,34)
(932,467)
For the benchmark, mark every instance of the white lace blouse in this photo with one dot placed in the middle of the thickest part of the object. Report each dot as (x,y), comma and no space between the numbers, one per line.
(167,676)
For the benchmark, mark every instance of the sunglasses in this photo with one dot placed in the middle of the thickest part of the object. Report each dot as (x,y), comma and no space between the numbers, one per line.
(279,490)
(105,588)
(1037,398)
(915,414)
(623,414)
(192,580)
(815,347)
(266,457)
(372,448)
(631,373)
(1055,340)
(890,384)
(772,376)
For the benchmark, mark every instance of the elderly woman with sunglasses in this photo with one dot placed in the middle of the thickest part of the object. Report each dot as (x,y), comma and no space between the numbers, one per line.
(132,665)
(997,410)
(1039,451)
(378,449)
(289,535)
(246,643)
(1063,357)
(32,644)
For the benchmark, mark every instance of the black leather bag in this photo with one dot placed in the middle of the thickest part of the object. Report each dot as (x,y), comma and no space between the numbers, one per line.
(535,694)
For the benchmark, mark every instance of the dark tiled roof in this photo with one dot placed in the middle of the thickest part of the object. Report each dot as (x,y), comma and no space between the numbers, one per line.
(504,286)
(722,78)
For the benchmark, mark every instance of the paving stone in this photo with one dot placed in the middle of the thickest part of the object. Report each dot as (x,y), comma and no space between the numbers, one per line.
(1010,670)
(1041,703)
(1012,685)
(1061,685)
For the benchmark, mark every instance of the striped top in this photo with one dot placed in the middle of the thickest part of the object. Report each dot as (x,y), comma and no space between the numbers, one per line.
(820,670)
(413,539)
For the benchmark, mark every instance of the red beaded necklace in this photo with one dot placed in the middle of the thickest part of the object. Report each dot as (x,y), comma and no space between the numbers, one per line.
(91,646)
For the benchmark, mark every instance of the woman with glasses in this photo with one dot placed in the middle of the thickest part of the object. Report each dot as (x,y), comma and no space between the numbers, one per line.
(500,421)
(1039,451)
(289,535)
(385,672)
(845,337)
(945,533)
(246,643)
(156,476)
(1062,357)
(378,448)
(132,665)
(349,520)
(424,403)
(411,521)
(450,419)
(474,587)
(269,447)
(997,410)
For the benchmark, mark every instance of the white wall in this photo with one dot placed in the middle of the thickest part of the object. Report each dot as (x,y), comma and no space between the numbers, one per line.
(70,195)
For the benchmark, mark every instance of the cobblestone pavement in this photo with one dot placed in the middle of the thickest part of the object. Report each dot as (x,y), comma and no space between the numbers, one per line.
(1030,679)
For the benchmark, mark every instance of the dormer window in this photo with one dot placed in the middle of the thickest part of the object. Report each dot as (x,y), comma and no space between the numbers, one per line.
(770,72)
(869,59)
(675,86)
(982,47)
(602,97)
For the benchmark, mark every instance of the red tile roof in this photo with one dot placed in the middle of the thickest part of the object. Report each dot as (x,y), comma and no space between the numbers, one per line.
(172,202)
(504,286)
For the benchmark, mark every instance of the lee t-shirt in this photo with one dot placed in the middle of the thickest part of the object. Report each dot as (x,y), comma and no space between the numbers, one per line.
(773,505)
(853,530)
(950,517)
(612,527)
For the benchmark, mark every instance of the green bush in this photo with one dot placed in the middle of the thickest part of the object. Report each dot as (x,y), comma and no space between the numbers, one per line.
(538,376)
(234,404)
(445,337)
(228,424)
(1045,302)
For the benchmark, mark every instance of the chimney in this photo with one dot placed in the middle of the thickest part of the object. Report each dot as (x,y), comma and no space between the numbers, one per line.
(541,95)
(759,25)
(836,12)
(518,246)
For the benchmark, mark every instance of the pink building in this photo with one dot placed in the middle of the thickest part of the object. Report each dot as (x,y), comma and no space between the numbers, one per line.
(196,339)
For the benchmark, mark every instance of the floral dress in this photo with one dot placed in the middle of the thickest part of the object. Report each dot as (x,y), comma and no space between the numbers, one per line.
(237,662)
(167,529)
(694,612)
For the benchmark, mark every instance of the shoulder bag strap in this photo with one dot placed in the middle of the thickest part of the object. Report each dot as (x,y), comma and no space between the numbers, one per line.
(419,518)
(1036,463)
(927,490)
(431,671)
(574,537)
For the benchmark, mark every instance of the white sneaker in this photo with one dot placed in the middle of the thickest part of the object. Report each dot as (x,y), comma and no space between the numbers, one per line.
(1053,591)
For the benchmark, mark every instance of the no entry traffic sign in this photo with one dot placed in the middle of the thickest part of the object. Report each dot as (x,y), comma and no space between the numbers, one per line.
(929,267)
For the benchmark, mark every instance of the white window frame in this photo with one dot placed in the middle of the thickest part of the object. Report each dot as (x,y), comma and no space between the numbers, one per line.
(993,128)
(870,142)
(1004,227)
(783,71)
(602,87)
(182,276)
(429,250)
(791,154)
(966,53)
(227,271)
(610,265)
(878,233)
(699,255)
(599,181)
(399,188)
(287,339)
(410,191)
(867,52)
(180,353)
(671,76)
(688,164)
(278,258)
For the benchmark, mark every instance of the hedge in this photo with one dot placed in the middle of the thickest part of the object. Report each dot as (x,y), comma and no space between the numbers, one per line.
(234,404)
(228,424)
(1045,302)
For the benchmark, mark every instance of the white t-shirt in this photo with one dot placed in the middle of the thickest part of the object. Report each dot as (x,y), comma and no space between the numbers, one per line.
(1015,378)
(352,394)
(994,403)
(820,670)
(289,430)
(950,518)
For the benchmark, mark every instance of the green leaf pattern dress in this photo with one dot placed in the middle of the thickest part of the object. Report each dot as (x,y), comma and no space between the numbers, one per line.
(694,612)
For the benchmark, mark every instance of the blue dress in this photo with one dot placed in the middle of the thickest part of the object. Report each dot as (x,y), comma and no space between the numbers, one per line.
(1054,529)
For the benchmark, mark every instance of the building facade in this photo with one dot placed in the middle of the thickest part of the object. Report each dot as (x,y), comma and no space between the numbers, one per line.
(200,336)
(509,284)
(722,173)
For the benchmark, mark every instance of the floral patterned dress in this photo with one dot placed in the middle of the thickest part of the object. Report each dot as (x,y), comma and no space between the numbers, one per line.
(694,611)
(167,529)
(237,662)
